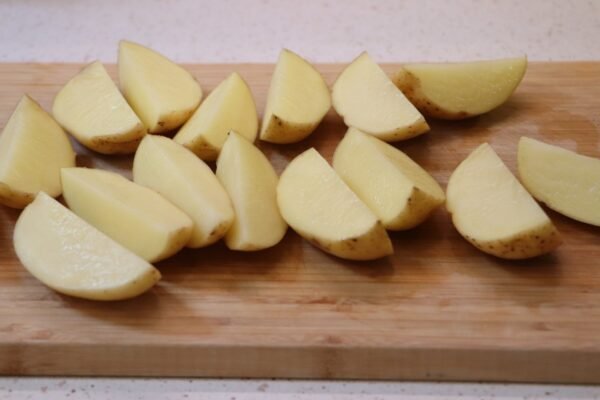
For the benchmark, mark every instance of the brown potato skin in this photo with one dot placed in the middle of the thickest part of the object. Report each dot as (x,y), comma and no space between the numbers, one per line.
(15,198)
(281,131)
(411,87)
(370,247)
(107,145)
(520,247)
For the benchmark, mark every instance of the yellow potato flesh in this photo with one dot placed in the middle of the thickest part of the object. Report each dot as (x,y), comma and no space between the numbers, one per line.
(93,110)
(162,94)
(320,207)
(368,100)
(565,181)
(229,107)
(251,182)
(494,212)
(33,149)
(396,189)
(135,216)
(72,257)
(298,100)
(187,182)
(460,90)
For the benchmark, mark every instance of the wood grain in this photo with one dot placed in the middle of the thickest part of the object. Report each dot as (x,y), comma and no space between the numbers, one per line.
(436,309)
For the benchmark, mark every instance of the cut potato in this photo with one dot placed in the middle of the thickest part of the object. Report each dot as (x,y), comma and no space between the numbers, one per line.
(163,94)
(136,217)
(494,212)
(368,100)
(394,187)
(186,181)
(72,257)
(297,102)
(320,207)
(251,182)
(92,109)
(33,149)
(565,181)
(229,107)
(460,90)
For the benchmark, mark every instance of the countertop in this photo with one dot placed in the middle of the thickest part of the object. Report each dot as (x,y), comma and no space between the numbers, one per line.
(322,31)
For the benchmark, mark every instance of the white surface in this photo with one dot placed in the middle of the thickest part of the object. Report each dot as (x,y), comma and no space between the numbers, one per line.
(321,30)
(325,31)
(114,389)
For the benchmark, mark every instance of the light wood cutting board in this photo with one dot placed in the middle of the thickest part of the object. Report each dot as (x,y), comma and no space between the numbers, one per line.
(437,309)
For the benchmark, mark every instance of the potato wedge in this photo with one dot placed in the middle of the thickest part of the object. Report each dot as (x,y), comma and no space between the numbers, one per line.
(251,182)
(297,102)
(72,257)
(33,149)
(162,94)
(394,187)
(460,90)
(91,108)
(321,208)
(368,100)
(229,107)
(134,216)
(187,182)
(494,212)
(565,181)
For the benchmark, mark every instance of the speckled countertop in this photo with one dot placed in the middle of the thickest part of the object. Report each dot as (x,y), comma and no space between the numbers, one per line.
(321,30)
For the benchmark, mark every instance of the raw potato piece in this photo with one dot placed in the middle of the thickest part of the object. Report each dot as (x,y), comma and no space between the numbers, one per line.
(319,206)
(297,102)
(251,182)
(494,212)
(368,100)
(229,107)
(33,149)
(566,181)
(136,217)
(186,181)
(161,93)
(92,109)
(460,90)
(72,257)
(394,187)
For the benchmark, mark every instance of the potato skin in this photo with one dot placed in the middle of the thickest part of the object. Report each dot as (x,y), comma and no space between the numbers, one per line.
(204,150)
(15,198)
(373,245)
(173,120)
(281,131)
(126,144)
(405,133)
(531,244)
(419,207)
(410,85)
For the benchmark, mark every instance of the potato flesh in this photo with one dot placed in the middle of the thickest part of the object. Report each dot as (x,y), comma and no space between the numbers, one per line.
(229,107)
(396,189)
(33,149)
(72,257)
(187,182)
(93,110)
(565,181)
(460,90)
(318,205)
(492,210)
(298,100)
(369,101)
(134,216)
(251,182)
(161,93)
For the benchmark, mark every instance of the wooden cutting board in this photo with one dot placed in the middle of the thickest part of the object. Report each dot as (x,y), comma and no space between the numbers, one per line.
(436,310)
